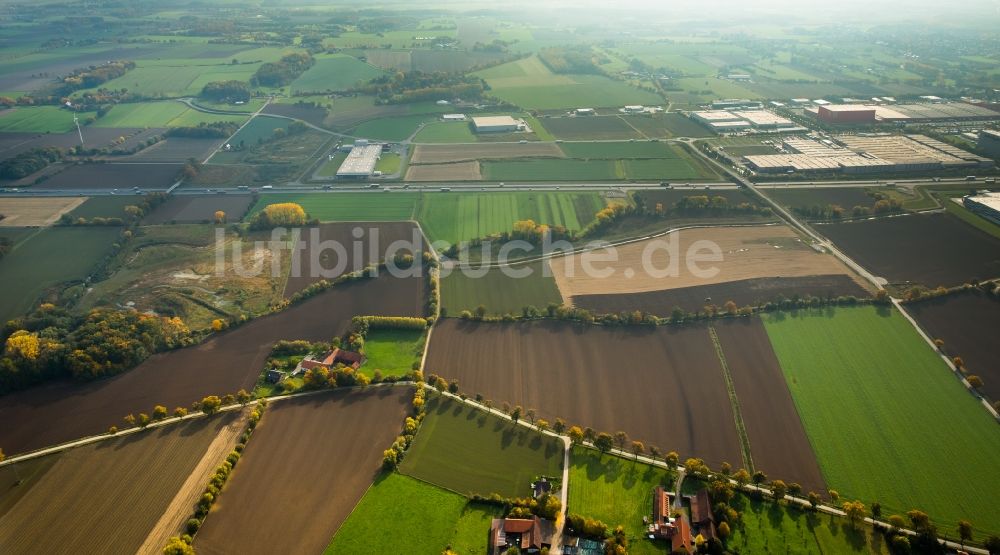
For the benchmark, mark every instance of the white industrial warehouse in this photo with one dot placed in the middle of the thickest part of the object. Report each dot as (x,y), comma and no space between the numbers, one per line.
(497,124)
(360,162)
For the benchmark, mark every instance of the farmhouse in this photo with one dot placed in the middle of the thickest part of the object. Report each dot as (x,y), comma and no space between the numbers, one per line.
(527,535)
(330,359)
(496,124)
(679,531)
(360,162)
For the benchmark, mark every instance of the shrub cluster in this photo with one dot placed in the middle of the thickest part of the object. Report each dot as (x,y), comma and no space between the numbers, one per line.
(392,456)
(29,162)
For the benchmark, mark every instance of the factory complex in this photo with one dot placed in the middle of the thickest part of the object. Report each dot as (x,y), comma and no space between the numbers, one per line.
(732,121)
(360,161)
(901,113)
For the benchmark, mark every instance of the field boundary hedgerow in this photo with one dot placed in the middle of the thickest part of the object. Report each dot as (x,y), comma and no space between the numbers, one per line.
(741,428)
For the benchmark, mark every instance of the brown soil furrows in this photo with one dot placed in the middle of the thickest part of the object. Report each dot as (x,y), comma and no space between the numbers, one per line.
(931,249)
(225,363)
(967,323)
(753,292)
(309,463)
(30,212)
(198,209)
(661,385)
(106,497)
(457,171)
(179,510)
(777,438)
(376,238)
(439,154)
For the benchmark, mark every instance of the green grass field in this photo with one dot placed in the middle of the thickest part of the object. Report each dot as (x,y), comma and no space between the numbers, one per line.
(454,217)
(142,114)
(668,126)
(468,451)
(617,150)
(616,491)
(181,77)
(393,352)
(446,132)
(391,129)
(388,163)
(530,84)
(862,380)
(346,207)
(498,292)
(424,518)
(39,119)
(770,528)
(335,73)
(53,256)
(105,206)
(260,128)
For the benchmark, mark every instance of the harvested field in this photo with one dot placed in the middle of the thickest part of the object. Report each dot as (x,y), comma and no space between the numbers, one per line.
(307,466)
(778,441)
(12,144)
(33,211)
(807,197)
(743,292)
(930,249)
(199,209)
(225,363)
(438,154)
(459,171)
(590,127)
(114,176)
(747,252)
(967,322)
(372,246)
(668,126)
(176,149)
(72,508)
(568,371)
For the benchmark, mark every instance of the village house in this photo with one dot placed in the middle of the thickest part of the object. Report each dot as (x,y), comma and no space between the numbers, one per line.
(529,535)
(330,359)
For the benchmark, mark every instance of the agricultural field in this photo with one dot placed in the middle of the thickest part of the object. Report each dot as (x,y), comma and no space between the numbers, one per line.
(668,126)
(32,212)
(965,322)
(346,206)
(49,259)
(868,359)
(222,364)
(39,119)
(148,177)
(498,292)
(441,154)
(360,245)
(743,292)
(465,450)
(528,83)
(141,496)
(571,370)
(334,73)
(334,443)
(457,171)
(430,517)
(454,217)
(798,198)
(176,149)
(898,249)
(747,252)
(178,77)
(199,209)
(446,132)
(393,352)
(616,490)
(160,114)
(392,128)
(552,170)
(575,128)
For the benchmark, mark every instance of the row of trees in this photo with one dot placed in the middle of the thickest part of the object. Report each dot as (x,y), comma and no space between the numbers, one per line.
(404,87)
(881,207)
(392,456)
(93,76)
(205,130)
(284,71)
(181,545)
(226,91)
(29,162)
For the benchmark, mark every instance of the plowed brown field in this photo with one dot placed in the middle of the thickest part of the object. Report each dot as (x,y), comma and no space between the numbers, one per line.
(307,466)
(459,171)
(661,385)
(437,154)
(778,441)
(225,363)
(108,496)
(968,324)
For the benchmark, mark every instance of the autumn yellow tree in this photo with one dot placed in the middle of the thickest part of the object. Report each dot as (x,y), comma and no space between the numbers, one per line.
(23,344)
(281,214)
(220,217)
(218,324)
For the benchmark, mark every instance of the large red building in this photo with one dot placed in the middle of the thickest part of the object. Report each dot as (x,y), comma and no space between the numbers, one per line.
(847,113)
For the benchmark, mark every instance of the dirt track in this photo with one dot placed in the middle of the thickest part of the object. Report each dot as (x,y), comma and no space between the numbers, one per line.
(224,364)
(376,238)
(106,497)
(307,466)
(968,324)
(778,441)
(932,249)
(663,386)
(743,292)
(746,253)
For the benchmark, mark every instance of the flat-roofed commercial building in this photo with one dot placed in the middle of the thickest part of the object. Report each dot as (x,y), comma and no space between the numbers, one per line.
(496,124)
(360,162)
(762,119)
(989,142)
(847,113)
(913,152)
(986,205)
